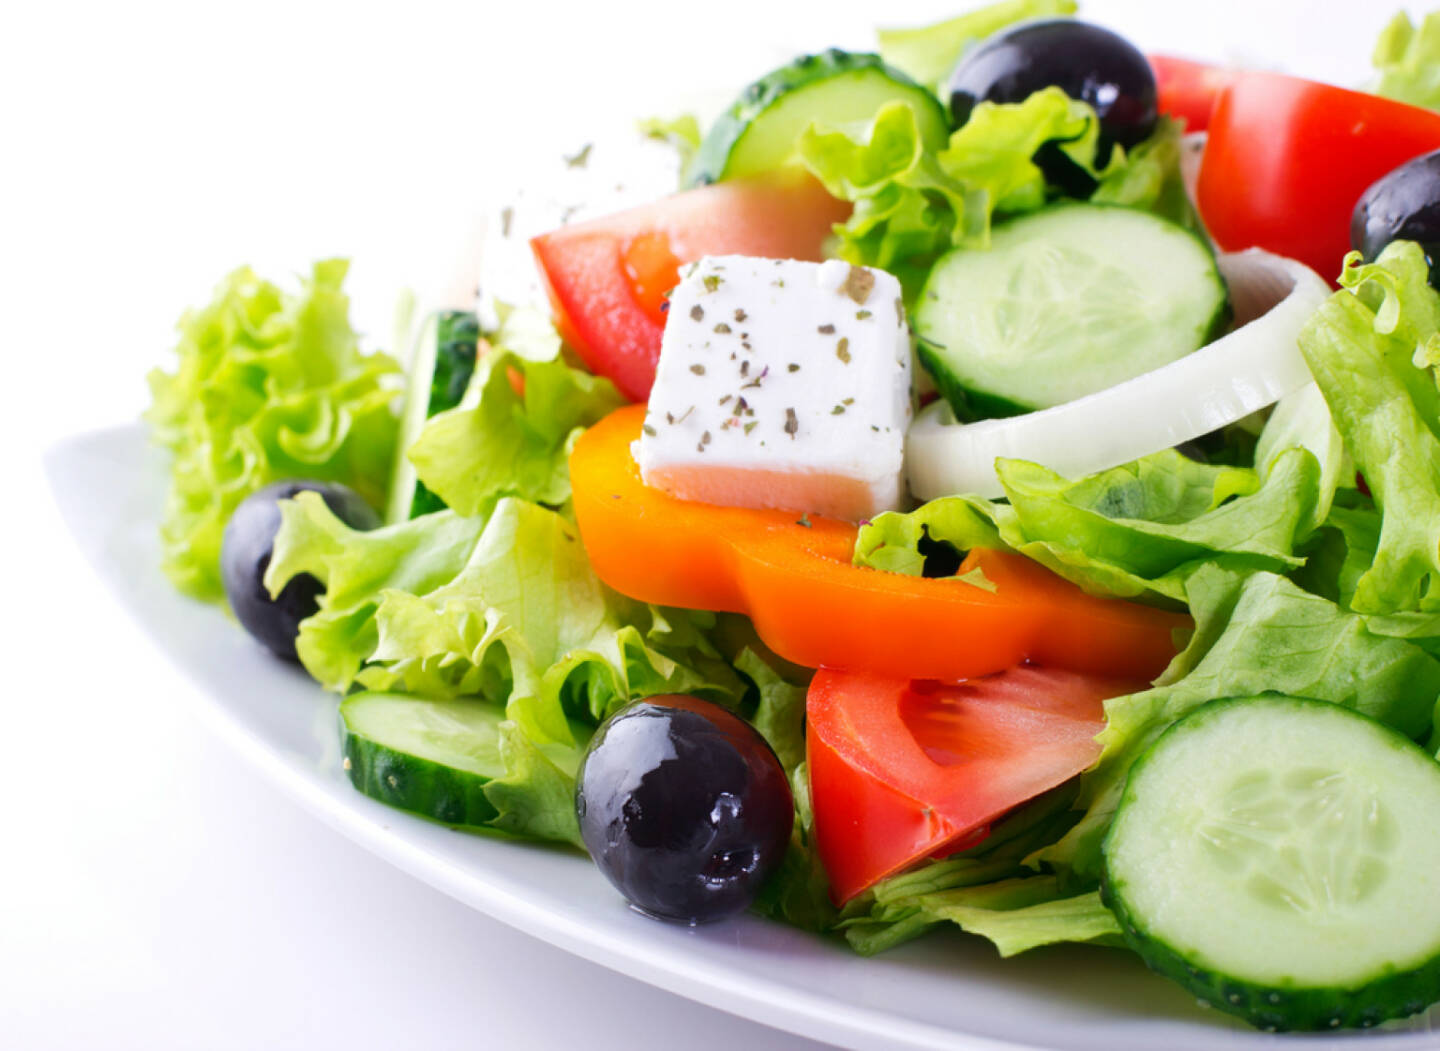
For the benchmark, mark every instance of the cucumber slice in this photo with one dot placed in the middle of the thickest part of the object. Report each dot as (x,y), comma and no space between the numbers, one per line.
(444,361)
(836,89)
(1281,859)
(1068,301)
(432,758)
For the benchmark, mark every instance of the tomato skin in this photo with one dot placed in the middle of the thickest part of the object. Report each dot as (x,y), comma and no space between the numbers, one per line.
(1188,89)
(901,771)
(1287,159)
(607,279)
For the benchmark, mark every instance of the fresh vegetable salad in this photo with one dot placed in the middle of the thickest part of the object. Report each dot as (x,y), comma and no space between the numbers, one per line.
(999,488)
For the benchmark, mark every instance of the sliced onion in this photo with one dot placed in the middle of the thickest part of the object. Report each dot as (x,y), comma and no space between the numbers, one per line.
(1253,366)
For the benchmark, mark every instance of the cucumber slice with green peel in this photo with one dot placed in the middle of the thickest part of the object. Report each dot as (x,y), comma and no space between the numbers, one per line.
(1280,858)
(1067,301)
(444,361)
(432,758)
(833,89)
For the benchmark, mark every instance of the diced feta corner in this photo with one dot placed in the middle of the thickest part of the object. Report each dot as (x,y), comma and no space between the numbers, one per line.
(782,384)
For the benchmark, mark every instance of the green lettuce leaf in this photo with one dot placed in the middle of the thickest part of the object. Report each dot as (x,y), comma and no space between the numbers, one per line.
(500,443)
(536,796)
(987,890)
(1255,633)
(1342,551)
(1407,61)
(908,209)
(1148,177)
(929,53)
(505,607)
(270,386)
(1025,913)
(1302,421)
(779,712)
(414,557)
(1136,531)
(798,892)
(681,133)
(1373,348)
(912,204)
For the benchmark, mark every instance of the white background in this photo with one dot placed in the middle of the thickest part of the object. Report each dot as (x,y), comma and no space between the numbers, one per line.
(155,892)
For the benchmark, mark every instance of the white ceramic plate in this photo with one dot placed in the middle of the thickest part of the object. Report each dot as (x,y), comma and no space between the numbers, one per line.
(946,991)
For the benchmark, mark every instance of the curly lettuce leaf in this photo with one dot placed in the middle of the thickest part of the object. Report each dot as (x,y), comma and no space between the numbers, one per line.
(1254,633)
(511,435)
(929,53)
(908,209)
(505,607)
(535,797)
(1374,348)
(1302,421)
(270,386)
(1148,176)
(1136,531)
(912,203)
(1407,61)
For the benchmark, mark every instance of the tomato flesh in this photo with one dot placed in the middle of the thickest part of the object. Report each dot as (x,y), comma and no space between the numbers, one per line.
(607,279)
(651,267)
(1287,159)
(901,771)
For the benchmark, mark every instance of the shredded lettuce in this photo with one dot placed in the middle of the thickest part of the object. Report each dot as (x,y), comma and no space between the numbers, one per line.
(929,53)
(912,203)
(1374,348)
(270,386)
(1407,61)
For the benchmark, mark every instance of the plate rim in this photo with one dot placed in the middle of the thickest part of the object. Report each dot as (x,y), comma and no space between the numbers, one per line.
(798,1012)
(366,822)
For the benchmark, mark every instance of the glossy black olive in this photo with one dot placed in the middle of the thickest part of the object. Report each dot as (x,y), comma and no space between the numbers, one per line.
(1401,206)
(684,807)
(245,554)
(1085,61)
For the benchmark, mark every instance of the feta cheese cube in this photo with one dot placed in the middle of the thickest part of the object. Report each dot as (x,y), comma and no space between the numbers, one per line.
(781,384)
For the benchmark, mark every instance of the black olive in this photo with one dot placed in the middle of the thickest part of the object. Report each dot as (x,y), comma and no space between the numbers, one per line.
(684,807)
(1401,206)
(1085,61)
(245,553)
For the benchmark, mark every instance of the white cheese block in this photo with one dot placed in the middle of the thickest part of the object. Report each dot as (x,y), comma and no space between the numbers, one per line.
(781,384)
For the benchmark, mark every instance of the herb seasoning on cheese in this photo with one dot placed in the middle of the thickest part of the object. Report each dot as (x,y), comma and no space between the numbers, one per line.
(808,367)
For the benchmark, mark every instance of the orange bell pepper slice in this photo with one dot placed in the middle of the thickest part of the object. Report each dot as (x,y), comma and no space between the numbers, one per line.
(793,576)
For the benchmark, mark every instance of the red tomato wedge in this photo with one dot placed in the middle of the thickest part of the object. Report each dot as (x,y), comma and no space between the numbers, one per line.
(902,770)
(608,278)
(1287,159)
(1187,89)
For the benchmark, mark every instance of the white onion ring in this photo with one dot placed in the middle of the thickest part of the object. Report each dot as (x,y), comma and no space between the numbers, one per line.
(1253,366)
